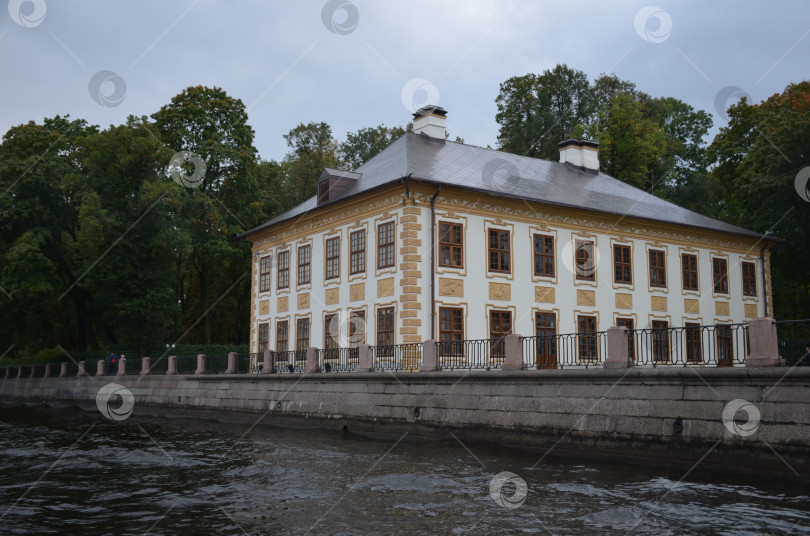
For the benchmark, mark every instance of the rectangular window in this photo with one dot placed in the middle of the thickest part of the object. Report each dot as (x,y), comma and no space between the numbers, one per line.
(304,261)
(385,332)
(622,265)
(385,245)
(543,255)
(500,325)
(302,334)
(264,274)
(451,331)
(749,277)
(658,268)
(689,271)
(451,245)
(331,327)
(357,332)
(357,257)
(499,259)
(545,329)
(631,342)
(333,258)
(660,340)
(282,336)
(725,348)
(284,269)
(694,353)
(585,260)
(720,272)
(264,337)
(586,334)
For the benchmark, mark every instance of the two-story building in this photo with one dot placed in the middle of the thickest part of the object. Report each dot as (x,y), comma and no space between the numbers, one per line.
(433,239)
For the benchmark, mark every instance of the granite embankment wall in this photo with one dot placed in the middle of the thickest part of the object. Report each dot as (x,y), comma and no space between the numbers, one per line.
(659,415)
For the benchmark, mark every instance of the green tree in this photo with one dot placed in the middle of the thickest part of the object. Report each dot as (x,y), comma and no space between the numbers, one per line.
(312,148)
(756,158)
(211,124)
(536,112)
(363,145)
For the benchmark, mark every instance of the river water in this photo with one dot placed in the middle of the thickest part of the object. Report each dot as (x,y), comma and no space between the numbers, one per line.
(71,471)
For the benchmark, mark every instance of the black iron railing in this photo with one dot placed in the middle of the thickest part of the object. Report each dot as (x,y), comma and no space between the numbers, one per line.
(794,341)
(186,364)
(338,359)
(243,362)
(216,363)
(291,361)
(720,345)
(134,366)
(397,357)
(472,354)
(554,351)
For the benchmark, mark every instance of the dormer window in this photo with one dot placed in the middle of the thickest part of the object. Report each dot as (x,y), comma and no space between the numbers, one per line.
(333,183)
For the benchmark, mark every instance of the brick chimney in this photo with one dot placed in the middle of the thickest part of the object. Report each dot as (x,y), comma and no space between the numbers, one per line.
(430,120)
(583,154)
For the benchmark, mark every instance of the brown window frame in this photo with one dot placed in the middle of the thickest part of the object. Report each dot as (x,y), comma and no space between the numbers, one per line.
(498,332)
(658,270)
(330,344)
(587,342)
(720,275)
(693,343)
(659,338)
(542,259)
(283,275)
(282,343)
(585,260)
(725,345)
(689,271)
(265,269)
(332,255)
(451,331)
(386,337)
(448,244)
(749,281)
(354,343)
(302,336)
(500,258)
(305,264)
(357,254)
(263,336)
(629,323)
(546,336)
(386,250)
(622,267)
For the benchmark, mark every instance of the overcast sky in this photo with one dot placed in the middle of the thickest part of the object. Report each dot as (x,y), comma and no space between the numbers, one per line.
(360,63)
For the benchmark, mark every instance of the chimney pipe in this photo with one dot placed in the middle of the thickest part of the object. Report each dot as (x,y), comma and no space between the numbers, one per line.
(583,154)
(430,120)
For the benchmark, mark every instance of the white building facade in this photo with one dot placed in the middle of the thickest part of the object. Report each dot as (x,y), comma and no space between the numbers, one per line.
(394,260)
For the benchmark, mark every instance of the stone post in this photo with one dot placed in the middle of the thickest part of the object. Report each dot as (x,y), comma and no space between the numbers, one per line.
(100,368)
(172,365)
(430,357)
(312,361)
(200,364)
(20,372)
(122,367)
(146,364)
(8,372)
(33,372)
(513,350)
(81,372)
(365,358)
(47,370)
(763,348)
(618,348)
(231,363)
(63,370)
(268,362)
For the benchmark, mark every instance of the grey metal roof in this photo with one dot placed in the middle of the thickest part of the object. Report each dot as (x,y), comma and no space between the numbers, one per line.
(423,158)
